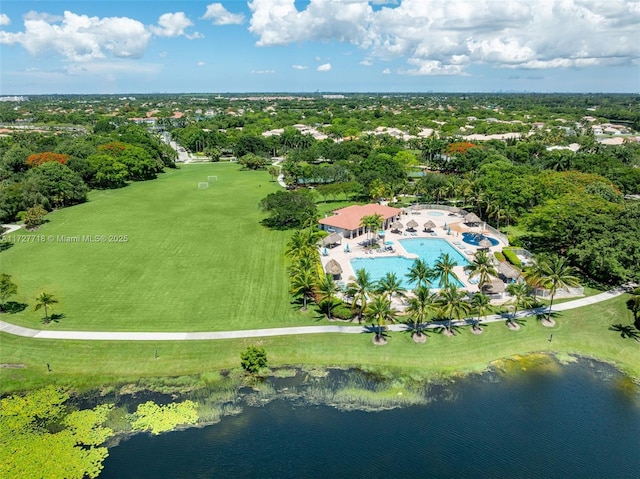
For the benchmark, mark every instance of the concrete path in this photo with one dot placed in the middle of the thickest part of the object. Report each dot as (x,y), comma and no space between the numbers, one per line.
(257,333)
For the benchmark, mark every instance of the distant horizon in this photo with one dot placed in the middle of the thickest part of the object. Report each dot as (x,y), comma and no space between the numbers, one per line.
(67,47)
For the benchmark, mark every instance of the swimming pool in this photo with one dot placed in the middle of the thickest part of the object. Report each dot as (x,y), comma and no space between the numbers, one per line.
(435,213)
(474,239)
(428,249)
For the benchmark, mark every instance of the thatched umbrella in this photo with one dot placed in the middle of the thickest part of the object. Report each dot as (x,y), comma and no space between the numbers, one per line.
(396,225)
(494,287)
(412,224)
(454,209)
(333,268)
(472,218)
(485,243)
(429,225)
(508,271)
(333,238)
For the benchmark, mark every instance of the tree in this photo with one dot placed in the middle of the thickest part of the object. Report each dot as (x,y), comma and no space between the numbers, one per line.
(371,223)
(390,284)
(421,304)
(289,209)
(380,312)
(45,300)
(444,267)
(521,294)
(53,185)
(7,289)
(552,274)
(33,217)
(251,161)
(107,171)
(327,291)
(359,288)
(454,304)
(633,304)
(253,359)
(303,282)
(38,158)
(420,273)
(481,267)
(482,305)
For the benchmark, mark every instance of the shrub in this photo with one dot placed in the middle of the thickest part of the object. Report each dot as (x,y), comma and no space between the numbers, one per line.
(342,311)
(512,258)
(499,256)
(253,359)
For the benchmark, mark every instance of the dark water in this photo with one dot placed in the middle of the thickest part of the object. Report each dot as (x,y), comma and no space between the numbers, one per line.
(576,421)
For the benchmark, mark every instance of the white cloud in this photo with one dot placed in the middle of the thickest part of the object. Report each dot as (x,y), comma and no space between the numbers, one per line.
(386,71)
(221,16)
(444,37)
(111,67)
(366,63)
(4,20)
(200,64)
(325,67)
(80,38)
(262,72)
(299,67)
(171,25)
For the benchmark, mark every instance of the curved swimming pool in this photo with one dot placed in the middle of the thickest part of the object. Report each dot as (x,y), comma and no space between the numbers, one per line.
(428,249)
(474,239)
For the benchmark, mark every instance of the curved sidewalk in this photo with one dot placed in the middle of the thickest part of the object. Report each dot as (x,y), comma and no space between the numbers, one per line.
(257,333)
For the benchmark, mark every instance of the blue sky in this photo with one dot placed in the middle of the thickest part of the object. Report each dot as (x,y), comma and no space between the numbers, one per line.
(319,45)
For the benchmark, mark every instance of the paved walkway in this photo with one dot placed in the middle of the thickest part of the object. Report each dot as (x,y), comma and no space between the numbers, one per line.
(257,333)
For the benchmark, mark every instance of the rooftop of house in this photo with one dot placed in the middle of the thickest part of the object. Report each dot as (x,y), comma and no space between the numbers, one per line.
(349,218)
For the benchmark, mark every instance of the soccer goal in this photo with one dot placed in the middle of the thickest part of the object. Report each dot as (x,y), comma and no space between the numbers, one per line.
(212,178)
(203,185)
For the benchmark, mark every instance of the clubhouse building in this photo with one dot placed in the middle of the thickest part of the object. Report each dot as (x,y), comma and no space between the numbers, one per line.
(346,221)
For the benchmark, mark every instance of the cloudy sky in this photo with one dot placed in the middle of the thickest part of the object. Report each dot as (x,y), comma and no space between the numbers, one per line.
(319,45)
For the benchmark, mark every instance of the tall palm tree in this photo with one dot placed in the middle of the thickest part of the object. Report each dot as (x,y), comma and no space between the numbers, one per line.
(481,303)
(371,223)
(390,284)
(553,273)
(380,312)
(420,273)
(454,304)
(521,296)
(304,282)
(421,305)
(482,267)
(327,289)
(304,242)
(444,267)
(45,300)
(359,288)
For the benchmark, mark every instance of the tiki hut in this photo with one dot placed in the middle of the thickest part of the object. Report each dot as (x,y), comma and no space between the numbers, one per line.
(507,271)
(333,268)
(472,218)
(429,225)
(332,239)
(494,287)
(455,210)
(411,225)
(485,244)
(396,225)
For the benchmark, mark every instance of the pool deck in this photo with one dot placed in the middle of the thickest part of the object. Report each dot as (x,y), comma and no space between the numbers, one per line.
(452,222)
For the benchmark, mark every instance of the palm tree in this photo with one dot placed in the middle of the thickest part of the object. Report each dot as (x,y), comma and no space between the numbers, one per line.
(45,300)
(304,242)
(454,304)
(552,274)
(444,267)
(421,305)
(482,267)
(420,273)
(359,287)
(304,282)
(521,297)
(327,289)
(633,305)
(380,312)
(390,284)
(481,303)
(371,223)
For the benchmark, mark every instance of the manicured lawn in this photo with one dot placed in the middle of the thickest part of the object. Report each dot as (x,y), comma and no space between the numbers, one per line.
(193,259)
(92,363)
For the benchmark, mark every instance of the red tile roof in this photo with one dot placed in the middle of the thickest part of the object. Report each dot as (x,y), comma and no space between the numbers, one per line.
(349,218)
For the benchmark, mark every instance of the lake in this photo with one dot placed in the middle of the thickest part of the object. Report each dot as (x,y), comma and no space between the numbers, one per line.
(540,420)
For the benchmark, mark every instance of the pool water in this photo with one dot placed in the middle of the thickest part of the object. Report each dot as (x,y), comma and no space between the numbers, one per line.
(428,249)
(435,213)
(474,239)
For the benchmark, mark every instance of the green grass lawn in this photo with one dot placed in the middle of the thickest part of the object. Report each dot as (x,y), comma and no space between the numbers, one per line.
(193,259)
(87,364)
